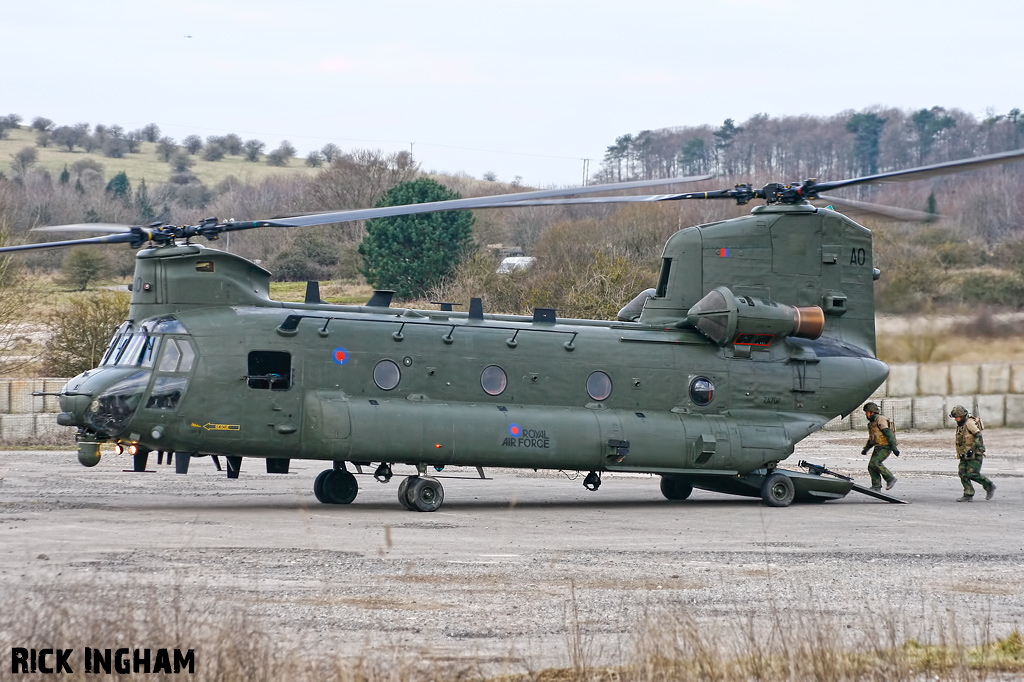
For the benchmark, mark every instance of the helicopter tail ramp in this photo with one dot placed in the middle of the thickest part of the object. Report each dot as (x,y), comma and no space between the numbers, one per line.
(878,495)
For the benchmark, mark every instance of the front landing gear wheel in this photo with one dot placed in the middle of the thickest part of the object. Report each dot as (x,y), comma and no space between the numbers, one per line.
(675,488)
(778,490)
(403,487)
(335,486)
(318,485)
(424,494)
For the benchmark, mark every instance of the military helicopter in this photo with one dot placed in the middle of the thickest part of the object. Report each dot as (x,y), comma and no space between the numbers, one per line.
(760,331)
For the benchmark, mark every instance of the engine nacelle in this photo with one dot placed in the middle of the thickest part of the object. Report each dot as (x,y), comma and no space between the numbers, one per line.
(726,318)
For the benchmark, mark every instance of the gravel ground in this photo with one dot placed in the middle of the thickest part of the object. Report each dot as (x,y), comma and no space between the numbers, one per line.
(521,569)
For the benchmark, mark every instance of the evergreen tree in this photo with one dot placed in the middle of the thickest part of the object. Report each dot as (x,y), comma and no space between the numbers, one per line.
(119,187)
(412,253)
(867,131)
(143,207)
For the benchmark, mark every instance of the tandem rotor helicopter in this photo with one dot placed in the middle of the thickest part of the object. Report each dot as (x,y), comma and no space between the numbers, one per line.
(759,332)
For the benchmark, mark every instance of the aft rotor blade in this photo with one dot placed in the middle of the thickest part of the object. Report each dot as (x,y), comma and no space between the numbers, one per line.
(934,170)
(85,227)
(121,238)
(454,204)
(628,199)
(858,209)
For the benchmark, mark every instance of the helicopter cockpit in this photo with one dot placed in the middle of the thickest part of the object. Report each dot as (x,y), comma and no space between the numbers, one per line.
(121,384)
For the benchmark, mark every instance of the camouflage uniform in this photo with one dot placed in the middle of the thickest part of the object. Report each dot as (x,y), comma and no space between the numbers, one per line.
(882,439)
(970,450)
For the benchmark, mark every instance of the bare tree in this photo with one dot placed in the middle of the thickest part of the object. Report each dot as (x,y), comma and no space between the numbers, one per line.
(359,179)
(151,132)
(23,160)
(165,148)
(192,144)
(253,149)
(330,152)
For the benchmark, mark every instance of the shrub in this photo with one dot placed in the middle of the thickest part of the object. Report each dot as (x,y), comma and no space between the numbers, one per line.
(80,331)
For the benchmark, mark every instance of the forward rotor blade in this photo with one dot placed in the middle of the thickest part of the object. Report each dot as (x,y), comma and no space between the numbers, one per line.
(85,227)
(859,209)
(454,204)
(122,238)
(923,172)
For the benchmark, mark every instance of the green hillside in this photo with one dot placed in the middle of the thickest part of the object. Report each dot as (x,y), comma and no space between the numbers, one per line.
(145,164)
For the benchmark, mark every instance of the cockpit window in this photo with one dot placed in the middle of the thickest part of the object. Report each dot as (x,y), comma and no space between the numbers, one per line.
(166,325)
(130,349)
(166,393)
(115,342)
(169,361)
(149,351)
(178,356)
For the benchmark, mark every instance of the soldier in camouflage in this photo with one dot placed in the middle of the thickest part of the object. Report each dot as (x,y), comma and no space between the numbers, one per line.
(970,450)
(882,439)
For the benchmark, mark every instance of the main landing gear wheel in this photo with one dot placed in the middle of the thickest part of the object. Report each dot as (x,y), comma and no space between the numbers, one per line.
(675,488)
(422,494)
(403,487)
(335,486)
(778,490)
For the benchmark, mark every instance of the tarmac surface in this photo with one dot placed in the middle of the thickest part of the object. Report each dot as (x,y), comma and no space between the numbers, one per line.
(522,569)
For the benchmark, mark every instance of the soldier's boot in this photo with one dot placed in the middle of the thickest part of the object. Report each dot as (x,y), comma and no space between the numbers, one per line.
(965,498)
(890,483)
(990,492)
(877,488)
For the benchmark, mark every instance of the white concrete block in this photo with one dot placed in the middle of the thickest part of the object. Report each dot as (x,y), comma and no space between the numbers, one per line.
(17,427)
(929,412)
(22,400)
(51,403)
(47,428)
(902,380)
(1017,378)
(952,401)
(1014,410)
(994,378)
(933,379)
(5,396)
(899,411)
(991,409)
(964,379)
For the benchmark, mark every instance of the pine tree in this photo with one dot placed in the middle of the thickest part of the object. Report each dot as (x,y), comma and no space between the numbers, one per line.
(412,253)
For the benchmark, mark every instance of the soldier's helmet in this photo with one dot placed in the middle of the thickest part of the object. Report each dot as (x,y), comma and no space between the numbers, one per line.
(958,411)
(871,407)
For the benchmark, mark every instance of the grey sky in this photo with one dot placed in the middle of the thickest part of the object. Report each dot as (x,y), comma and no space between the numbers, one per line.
(524,88)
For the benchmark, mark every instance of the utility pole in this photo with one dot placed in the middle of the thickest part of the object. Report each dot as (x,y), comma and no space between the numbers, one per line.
(586,170)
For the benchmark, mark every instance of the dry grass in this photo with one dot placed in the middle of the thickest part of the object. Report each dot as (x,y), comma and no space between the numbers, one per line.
(795,642)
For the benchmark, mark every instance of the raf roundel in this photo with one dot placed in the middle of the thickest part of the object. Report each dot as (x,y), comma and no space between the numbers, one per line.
(515,430)
(340,356)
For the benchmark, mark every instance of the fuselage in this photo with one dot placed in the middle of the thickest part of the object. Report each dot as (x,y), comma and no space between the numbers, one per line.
(223,369)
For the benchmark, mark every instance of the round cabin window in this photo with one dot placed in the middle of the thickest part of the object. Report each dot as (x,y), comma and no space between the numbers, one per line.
(599,385)
(493,380)
(386,375)
(702,391)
